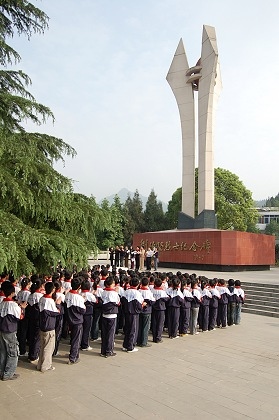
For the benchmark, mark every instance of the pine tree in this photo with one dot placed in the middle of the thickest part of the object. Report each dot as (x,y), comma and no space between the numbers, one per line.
(41,220)
(154,218)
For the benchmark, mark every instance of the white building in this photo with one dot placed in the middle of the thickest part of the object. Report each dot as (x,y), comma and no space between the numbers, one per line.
(266,215)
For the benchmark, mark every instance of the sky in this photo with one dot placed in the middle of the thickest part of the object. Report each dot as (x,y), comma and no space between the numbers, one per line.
(101,68)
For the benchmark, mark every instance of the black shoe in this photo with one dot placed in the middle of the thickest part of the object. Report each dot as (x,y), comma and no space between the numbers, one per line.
(70,362)
(12,378)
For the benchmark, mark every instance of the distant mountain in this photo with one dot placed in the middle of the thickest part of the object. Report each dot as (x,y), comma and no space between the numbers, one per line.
(123,195)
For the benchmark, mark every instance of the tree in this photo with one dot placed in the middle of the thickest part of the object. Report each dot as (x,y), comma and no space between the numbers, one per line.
(174,207)
(154,218)
(272,228)
(41,220)
(133,216)
(233,203)
(272,201)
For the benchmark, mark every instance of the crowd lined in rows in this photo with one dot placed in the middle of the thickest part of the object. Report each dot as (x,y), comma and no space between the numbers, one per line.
(36,312)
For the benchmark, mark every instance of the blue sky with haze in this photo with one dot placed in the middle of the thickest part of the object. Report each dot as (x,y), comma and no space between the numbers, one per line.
(101,68)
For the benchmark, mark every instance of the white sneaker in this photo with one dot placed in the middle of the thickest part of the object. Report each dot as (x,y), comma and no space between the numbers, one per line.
(133,351)
(87,348)
(197,333)
(123,349)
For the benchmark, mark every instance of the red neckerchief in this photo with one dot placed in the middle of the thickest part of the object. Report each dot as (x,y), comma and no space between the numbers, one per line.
(109,289)
(158,288)
(74,292)
(8,300)
(144,288)
(48,296)
(133,287)
(84,291)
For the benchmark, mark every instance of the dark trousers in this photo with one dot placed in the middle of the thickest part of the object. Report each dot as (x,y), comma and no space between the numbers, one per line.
(222,315)
(212,317)
(204,320)
(34,340)
(173,321)
(131,331)
(144,325)
(231,313)
(22,330)
(95,323)
(158,319)
(87,322)
(148,263)
(184,320)
(58,332)
(108,333)
(76,333)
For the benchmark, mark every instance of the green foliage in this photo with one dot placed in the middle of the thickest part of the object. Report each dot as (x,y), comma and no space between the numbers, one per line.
(272,228)
(233,203)
(272,201)
(154,218)
(174,207)
(41,220)
(110,231)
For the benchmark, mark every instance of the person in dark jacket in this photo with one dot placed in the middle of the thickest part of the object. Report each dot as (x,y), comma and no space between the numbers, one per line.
(75,310)
(48,312)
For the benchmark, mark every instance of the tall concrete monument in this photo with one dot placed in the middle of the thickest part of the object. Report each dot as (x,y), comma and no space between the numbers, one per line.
(205,78)
(197,243)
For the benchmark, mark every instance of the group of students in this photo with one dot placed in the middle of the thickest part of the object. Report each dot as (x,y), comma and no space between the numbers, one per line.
(39,311)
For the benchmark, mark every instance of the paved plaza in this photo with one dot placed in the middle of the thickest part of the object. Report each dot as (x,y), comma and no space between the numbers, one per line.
(230,373)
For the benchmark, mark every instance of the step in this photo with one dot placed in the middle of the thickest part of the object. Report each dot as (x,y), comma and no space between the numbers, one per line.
(261,289)
(260,312)
(261,293)
(247,283)
(262,307)
(255,298)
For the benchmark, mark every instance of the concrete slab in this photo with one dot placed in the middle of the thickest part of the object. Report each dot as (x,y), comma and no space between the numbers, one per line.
(230,373)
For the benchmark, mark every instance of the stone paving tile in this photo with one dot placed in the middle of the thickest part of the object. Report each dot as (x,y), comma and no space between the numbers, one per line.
(231,374)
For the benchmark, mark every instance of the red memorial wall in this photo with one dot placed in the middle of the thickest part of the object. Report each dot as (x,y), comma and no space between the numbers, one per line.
(210,249)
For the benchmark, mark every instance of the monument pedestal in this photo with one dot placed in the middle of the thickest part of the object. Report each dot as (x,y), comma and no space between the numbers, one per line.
(210,249)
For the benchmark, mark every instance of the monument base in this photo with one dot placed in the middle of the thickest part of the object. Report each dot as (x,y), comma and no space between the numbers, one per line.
(206,219)
(210,249)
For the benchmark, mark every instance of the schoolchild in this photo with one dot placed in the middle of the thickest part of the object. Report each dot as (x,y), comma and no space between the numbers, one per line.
(240,301)
(89,301)
(185,309)
(10,313)
(32,313)
(213,304)
(195,306)
(232,300)
(133,304)
(223,304)
(120,314)
(76,310)
(58,295)
(103,275)
(97,311)
(22,328)
(110,302)
(66,284)
(158,310)
(176,300)
(145,315)
(48,312)
(204,307)
(67,281)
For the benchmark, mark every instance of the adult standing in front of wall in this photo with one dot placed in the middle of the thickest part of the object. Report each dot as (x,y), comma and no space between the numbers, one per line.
(142,258)
(148,256)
